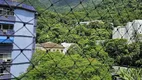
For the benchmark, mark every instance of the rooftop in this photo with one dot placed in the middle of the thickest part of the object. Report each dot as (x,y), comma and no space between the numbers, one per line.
(16,5)
(51,45)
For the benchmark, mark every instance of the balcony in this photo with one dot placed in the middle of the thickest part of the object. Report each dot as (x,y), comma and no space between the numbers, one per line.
(4,70)
(5,61)
(6,36)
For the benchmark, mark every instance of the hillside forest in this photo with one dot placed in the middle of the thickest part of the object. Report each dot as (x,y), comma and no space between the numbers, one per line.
(92,61)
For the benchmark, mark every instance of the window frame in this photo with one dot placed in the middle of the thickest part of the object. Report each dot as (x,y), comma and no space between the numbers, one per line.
(6,11)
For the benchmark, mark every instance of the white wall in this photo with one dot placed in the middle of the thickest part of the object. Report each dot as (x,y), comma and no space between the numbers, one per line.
(22,42)
(128,31)
(119,32)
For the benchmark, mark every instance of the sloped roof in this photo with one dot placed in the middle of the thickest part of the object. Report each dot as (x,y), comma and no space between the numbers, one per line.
(16,4)
(51,45)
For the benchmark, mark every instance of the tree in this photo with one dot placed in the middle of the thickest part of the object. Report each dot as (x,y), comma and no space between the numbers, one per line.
(131,74)
(123,53)
(56,66)
(116,47)
(74,49)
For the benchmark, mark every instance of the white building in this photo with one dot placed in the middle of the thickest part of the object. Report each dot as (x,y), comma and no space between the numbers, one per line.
(88,22)
(54,47)
(66,46)
(129,31)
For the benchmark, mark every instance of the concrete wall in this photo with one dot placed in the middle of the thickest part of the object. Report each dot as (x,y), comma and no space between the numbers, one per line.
(128,31)
(55,49)
(119,32)
(25,41)
(66,46)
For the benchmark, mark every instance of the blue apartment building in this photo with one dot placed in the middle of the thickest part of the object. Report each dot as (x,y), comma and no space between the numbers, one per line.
(17,37)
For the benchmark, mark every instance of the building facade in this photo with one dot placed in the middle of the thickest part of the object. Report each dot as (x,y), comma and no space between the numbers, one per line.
(66,46)
(51,47)
(17,37)
(88,22)
(132,31)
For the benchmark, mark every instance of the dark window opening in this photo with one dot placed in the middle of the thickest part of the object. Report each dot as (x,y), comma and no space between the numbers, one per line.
(6,29)
(6,11)
(1,71)
(1,56)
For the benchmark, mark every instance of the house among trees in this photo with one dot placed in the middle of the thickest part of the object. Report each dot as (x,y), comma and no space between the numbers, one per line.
(17,37)
(52,47)
(132,31)
(93,21)
(66,46)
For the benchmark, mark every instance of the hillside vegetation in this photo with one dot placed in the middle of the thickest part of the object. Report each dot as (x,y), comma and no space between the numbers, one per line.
(60,24)
(63,27)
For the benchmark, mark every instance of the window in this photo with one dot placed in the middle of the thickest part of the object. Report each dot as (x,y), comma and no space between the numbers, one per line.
(10,26)
(1,56)
(1,70)
(1,9)
(6,56)
(6,29)
(6,11)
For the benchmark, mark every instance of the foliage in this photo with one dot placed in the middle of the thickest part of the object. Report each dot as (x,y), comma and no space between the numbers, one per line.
(131,74)
(124,53)
(58,28)
(63,27)
(56,66)
(74,49)
(60,6)
(116,47)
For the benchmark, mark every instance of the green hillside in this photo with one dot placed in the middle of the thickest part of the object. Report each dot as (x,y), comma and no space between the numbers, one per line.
(60,5)
(62,26)
(118,12)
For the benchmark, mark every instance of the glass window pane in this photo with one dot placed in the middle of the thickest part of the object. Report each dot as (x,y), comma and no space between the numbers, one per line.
(0,11)
(7,56)
(4,12)
(5,26)
(1,70)
(0,27)
(11,27)
(1,56)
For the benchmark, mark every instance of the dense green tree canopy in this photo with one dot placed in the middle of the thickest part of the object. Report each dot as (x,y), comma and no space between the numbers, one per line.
(56,66)
(61,24)
(124,53)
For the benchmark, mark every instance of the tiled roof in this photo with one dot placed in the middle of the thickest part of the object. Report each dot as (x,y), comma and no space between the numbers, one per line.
(16,4)
(51,45)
